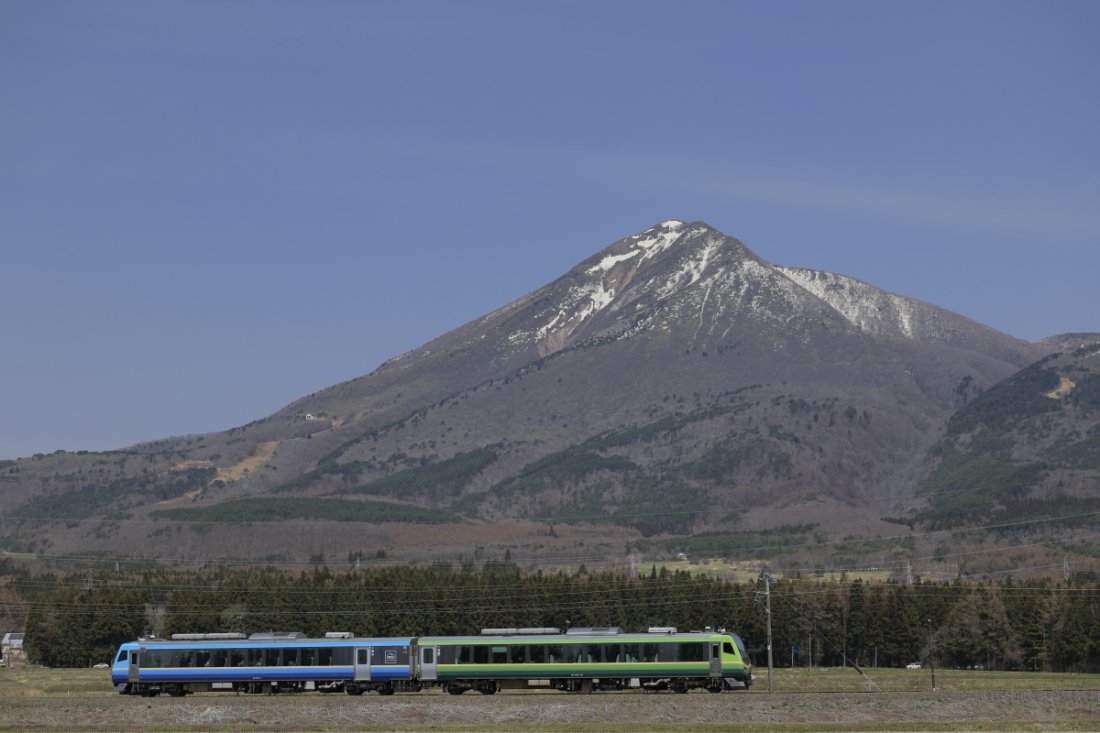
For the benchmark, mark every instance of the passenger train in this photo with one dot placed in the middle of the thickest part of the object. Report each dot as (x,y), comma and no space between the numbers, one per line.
(579,660)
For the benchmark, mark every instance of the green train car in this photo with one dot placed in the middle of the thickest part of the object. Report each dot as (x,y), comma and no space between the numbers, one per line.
(582,660)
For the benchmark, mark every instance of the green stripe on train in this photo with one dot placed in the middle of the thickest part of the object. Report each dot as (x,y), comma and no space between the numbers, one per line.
(539,671)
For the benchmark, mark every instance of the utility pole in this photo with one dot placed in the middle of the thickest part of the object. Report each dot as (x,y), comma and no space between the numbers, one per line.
(931,655)
(768,612)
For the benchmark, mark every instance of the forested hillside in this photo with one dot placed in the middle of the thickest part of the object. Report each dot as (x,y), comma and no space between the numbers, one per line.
(77,620)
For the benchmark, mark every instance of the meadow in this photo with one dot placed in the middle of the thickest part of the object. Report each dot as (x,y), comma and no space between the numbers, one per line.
(802,700)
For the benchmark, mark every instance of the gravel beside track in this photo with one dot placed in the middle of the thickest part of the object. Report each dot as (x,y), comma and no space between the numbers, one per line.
(1015,710)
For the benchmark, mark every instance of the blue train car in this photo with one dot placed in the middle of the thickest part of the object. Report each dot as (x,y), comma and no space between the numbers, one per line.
(264,663)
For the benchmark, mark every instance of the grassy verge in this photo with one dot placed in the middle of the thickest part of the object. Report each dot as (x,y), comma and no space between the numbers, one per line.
(804,700)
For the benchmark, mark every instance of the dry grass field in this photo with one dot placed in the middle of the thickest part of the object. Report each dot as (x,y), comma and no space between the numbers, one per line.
(803,700)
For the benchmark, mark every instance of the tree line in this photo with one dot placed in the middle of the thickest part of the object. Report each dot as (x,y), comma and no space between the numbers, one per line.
(80,619)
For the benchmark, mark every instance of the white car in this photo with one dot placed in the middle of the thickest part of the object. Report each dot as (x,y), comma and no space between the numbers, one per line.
(913,665)
(101,665)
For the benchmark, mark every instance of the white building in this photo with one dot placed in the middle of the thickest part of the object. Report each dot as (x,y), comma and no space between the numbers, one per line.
(11,648)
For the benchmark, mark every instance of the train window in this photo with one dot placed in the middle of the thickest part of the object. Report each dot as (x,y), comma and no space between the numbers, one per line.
(308,657)
(361,657)
(519,654)
(727,648)
(324,656)
(536,654)
(121,656)
(500,655)
(632,652)
(481,655)
(218,657)
(714,651)
(651,652)
(187,659)
(429,656)
(571,653)
(202,657)
(691,652)
(236,657)
(466,655)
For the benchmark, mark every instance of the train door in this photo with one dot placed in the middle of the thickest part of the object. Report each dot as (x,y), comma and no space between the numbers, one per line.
(135,670)
(362,663)
(428,660)
(715,659)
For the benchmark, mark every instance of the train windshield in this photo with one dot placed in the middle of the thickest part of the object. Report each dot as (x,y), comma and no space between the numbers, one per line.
(741,647)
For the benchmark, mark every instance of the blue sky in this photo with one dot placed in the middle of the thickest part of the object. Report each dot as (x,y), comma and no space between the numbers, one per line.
(209,209)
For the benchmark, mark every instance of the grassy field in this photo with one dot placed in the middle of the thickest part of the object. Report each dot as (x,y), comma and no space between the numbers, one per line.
(24,681)
(918,680)
(43,682)
(752,568)
(803,700)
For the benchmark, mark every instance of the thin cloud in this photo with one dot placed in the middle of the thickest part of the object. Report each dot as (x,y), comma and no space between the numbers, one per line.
(1073,216)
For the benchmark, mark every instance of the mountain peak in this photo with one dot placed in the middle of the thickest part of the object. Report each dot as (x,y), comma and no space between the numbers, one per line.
(673,368)
(617,287)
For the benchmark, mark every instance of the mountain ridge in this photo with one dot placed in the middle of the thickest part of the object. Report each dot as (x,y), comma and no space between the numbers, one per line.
(673,373)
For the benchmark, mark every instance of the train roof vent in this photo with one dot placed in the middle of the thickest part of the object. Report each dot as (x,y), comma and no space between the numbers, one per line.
(219,636)
(272,635)
(521,631)
(339,635)
(595,630)
(662,629)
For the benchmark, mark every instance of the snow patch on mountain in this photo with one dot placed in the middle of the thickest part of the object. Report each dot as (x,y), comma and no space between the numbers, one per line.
(658,239)
(863,305)
(691,268)
(611,260)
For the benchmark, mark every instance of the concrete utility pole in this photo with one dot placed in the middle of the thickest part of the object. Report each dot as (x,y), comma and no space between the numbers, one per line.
(768,613)
(931,655)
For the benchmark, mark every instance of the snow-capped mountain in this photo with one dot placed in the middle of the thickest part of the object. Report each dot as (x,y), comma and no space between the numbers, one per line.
(674,382)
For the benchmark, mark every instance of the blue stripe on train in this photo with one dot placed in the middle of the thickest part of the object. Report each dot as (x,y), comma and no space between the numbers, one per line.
(262,674)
